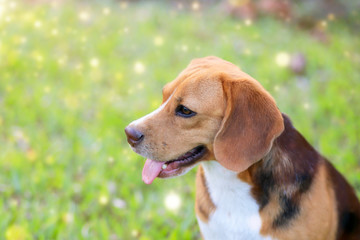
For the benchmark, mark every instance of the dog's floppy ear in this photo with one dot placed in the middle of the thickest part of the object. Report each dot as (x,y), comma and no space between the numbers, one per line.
(251,123)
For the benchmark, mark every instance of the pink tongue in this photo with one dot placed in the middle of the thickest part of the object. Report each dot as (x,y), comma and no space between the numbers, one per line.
(151,170)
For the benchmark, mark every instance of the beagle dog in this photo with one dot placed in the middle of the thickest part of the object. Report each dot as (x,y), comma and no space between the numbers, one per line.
(258,177)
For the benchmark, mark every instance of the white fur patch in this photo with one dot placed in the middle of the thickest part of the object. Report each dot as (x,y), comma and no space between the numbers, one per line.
(141,120)
(156,111)
(237,213)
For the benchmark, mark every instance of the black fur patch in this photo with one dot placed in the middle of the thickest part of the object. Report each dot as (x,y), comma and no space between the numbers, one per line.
(303,181)
(272,177)
(267,183)
(289,210)
(349,222)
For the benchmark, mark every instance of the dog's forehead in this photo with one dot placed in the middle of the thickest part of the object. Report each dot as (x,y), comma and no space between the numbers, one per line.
(200,94)
(198,73)
(199,89)
(202,80)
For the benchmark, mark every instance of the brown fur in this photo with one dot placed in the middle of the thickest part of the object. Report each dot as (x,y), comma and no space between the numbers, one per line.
(294,171)
(189,132)
(203,203)
(301,196)
(251,123)
(316,217)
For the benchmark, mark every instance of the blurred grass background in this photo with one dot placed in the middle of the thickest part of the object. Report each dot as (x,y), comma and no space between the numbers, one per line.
(73,74)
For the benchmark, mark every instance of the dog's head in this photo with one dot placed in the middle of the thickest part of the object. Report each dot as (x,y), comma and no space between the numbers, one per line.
(211,111)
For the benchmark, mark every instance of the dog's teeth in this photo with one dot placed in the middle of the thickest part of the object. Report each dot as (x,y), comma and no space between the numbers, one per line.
(164,166)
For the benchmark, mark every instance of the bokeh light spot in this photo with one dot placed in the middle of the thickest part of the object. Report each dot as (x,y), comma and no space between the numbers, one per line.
(106,11)
(13,5)
(331,17)
(248,22)
(282,59)
(135,233)
(47,89)
(139,67)
(195,6)
(247,51)
(94,62)
(158,41)
(84,16)
(110,159)
(54,32)
(184,48)
(23,40)
(306,106)
(38,24)
(103,199)
(172,202)
(323,24)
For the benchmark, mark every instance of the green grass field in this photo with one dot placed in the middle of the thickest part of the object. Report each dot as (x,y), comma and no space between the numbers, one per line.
(73,75)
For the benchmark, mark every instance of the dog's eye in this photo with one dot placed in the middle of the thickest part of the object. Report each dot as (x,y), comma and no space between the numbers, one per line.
(183,111)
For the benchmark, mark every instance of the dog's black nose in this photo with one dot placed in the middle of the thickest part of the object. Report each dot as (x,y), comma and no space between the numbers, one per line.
(134,137)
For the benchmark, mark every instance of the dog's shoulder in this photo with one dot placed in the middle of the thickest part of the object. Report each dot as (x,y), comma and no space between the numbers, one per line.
(293,193)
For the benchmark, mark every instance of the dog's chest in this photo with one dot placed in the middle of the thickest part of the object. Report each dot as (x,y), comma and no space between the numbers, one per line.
(237,213)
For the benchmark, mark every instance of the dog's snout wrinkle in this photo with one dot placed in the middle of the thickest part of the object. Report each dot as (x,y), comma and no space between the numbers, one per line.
(134,136)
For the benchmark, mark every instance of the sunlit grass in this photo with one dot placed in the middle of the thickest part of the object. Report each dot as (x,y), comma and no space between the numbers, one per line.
(73,75)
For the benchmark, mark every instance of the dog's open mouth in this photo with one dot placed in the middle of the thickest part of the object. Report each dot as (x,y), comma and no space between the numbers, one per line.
(153,169)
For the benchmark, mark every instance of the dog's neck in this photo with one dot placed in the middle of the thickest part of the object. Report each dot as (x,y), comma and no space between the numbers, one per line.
(291,161)
(237,212)
(285,173)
